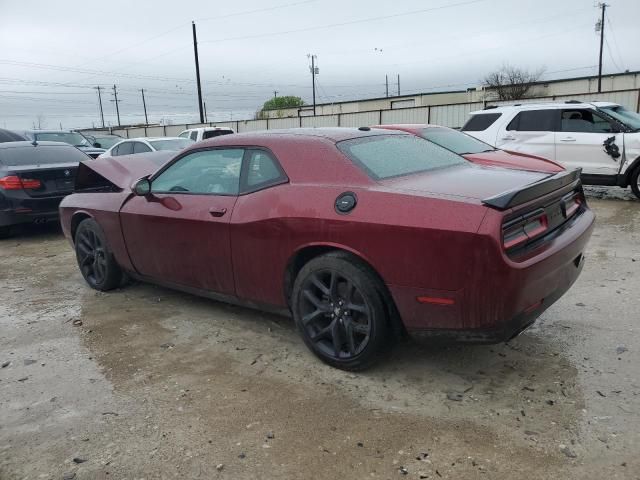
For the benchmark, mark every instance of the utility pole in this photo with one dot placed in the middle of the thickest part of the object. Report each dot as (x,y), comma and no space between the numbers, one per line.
(144,105)
(116,101)
(275,94)
(386,81)
(603,6)
(314,72)
(398,84)
(206,120)
(195,53)
(98,88)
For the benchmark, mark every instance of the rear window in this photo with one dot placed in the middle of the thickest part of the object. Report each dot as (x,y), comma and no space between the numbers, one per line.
(174,144)
(215,133)
(480,122)
(457,142)
(386,156)
(534,121)
(40,155)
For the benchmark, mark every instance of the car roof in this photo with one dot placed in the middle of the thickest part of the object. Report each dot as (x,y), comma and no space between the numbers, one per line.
(547,105)
(147,139)
(31,144)
(49,131)
(334,134)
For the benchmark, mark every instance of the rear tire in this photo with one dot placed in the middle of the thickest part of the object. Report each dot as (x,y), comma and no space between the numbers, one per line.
(340,313)
(95,259)
(635,181)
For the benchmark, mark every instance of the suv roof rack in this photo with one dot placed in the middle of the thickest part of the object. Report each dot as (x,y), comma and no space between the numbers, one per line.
(490,107)
(573,101)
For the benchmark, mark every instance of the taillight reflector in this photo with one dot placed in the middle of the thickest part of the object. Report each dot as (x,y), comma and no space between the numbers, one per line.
(13,182)
(435,300)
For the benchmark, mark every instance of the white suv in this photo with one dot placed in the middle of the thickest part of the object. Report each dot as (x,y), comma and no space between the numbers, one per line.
(203,133)
(602,138)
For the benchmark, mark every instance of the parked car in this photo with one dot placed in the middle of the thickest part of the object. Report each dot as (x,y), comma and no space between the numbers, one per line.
(147,144)
(204,133)
(361,234)
(34,177)
(103,141)
(602,138)
(9,136)
(65,136)
(475,150)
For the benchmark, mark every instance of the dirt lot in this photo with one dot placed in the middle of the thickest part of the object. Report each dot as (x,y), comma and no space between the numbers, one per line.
(149,383)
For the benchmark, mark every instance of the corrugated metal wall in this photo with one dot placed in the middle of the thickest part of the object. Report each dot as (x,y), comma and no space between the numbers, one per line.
(453,116)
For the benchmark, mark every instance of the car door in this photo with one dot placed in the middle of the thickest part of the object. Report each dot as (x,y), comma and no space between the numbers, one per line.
(580,142)
(179,233)
(530,131)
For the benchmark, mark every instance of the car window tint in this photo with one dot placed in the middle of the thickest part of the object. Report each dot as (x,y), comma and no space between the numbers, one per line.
(215,133)
(534,121)
(385,156)
(584,120)
(480,122)
(140,147)
(458,142)
(40,155)
(125,148)
(205,172)
(194,135)
(262,169)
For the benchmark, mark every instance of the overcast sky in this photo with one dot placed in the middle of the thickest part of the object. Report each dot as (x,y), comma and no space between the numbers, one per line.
(52,54)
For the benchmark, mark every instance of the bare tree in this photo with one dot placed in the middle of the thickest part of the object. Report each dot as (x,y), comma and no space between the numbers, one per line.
(512,83)
(40,122)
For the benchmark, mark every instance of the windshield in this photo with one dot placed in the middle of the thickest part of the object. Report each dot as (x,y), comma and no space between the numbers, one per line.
(629,118)
(71,138)
(386,156)
(457,142)
(174,144)
(107,142)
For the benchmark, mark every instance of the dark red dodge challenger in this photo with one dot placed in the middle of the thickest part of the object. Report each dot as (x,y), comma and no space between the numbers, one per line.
(361,234)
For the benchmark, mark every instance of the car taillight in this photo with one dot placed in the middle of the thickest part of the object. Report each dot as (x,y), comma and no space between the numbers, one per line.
(571,203)
(13,182)
(522,229)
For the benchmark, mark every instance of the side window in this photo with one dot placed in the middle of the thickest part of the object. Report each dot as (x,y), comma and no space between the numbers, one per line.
(534,121)
(194,135)
(115,151)
(126,148)
(139,147)
(206,172)
(585,121)
(261,171)
(480,122)
(184,134)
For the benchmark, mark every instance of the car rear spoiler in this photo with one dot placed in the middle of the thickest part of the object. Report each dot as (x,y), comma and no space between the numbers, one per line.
(530,192)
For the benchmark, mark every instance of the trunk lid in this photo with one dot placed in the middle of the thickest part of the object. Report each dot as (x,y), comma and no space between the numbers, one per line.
(468,181)
(55,179)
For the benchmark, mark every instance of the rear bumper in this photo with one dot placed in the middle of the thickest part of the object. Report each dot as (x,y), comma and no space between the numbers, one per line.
(500,298)
(31,210)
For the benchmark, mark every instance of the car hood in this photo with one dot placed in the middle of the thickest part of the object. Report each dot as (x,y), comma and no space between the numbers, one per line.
(465,181)
(124,170)
(506,159)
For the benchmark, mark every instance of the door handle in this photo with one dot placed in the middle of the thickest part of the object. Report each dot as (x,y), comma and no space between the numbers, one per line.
(568,139)
(217,212)
(508,137)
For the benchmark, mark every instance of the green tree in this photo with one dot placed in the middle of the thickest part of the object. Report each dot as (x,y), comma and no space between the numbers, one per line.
(278,103)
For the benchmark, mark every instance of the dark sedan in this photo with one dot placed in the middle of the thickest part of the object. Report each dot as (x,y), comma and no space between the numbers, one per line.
(360,234)
(66,136)
(34,178)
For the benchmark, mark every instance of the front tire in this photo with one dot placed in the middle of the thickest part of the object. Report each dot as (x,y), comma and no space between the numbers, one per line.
(339,312)
(97,264)
(635,182)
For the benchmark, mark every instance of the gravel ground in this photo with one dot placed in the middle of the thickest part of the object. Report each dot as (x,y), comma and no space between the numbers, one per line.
(149,383)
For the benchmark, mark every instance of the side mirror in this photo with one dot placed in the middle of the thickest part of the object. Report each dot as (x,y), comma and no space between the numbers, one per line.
(142,187)
(97,144)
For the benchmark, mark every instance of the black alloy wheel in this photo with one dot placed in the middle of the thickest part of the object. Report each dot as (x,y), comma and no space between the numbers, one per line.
(338,309)
(97,265)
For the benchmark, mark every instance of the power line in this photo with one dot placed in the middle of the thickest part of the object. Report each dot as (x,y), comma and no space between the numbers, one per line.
(342,24)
